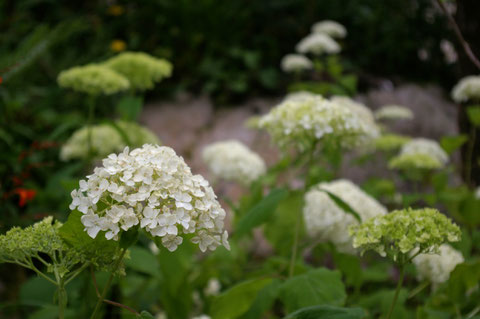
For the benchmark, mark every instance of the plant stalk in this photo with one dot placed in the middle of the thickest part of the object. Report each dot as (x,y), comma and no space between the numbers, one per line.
(397,291)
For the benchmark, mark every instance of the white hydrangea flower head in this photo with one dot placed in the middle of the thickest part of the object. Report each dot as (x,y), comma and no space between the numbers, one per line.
(393,112)
(331,28)
(318,44)
(292,63)
(420,153)
(106,139)
(309,118)
(233,161)
(325,220)
(299,95)
(467,89)
(151,188)
(436,268)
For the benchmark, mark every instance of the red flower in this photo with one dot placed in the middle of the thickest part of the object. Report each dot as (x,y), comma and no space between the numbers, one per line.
(24,195)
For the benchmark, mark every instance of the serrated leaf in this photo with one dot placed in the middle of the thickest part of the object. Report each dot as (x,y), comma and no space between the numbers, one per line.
(451,143)
(237,300)
(261,211)
(327,312)
(316,287)
(342,204)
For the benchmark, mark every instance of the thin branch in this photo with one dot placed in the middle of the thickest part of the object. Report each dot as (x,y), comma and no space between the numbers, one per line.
(95,282)
(117,304)
(458,33)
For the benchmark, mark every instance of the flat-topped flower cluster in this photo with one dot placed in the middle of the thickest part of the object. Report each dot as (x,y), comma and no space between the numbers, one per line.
(393,112)
(327,221)
(420,153)
(467,89)
(233,161)
(307,118)
(153,188)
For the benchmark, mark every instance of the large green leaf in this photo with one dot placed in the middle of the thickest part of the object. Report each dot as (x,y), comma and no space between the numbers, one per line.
(316,287)
(451,143)
(379,303)
(327,312)
(463,278)
(237,300)
(261,212)
(143,261)
(264,300)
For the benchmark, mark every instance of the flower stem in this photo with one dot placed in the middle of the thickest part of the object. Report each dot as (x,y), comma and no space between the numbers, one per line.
(397,291)
(91,115)
(294,246)
(107,285)
(62,299)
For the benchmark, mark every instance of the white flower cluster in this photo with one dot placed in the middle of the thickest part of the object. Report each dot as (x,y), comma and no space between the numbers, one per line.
(393,112)
(318,44)
(477,193)
(213,287)
(151,187)
(325,220)
(306,118)
(436,268)
(331,28)
(299,95)
(426,147)
(233,161)
(467,89)
(292,63)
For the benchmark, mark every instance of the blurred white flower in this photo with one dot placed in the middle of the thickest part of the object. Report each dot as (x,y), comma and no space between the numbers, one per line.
(318,44)
(436,268)
(449,51)
(202,317)
(161,315)
(213,287)
(393,112)
(477,193)
(420,153)
(292,63)
(234,161)
(331,28)
(327,221)
(151,187)
(467,89)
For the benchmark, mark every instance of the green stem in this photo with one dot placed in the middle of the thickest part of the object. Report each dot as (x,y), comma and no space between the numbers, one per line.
(76,273)
(35,269)
(294,246)
(91,115)
(397,291)
(469,155)
(107,285)
(62,299)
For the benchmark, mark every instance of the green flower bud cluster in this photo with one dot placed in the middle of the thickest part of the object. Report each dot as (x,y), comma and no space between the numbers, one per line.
(128,70)
(106,139)
(93,79)
(402,233)
(390,142)
(141,69)
(420,154)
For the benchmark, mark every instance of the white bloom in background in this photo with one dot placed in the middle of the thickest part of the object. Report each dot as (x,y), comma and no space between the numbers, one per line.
(202,317)
(306,119)
(233,161)
(467,89)
(213,287)
(436,268)
(153,188)
(449,52)
(418,152)
(299,95)
(325,220)
(393,112)
(331,28)
(161,315)
(292,63)
(477,193)
(317,44)
(153,248)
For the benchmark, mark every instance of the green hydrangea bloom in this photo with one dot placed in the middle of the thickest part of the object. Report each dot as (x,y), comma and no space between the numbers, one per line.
(414,161)
(93,79)
(390,142)
(141,69)
(402,233)
(106,139)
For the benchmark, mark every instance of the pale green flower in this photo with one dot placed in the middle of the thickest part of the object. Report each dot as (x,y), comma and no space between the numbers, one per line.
(331,28)
(93,79)
(307,119)
(106,139)
(141,69)
(390,142)
(420,153)
(393,112)
(402,232)
(467,89)
(318,44)
(292,63)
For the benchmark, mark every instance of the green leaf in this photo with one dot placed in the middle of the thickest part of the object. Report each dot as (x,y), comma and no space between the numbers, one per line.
(462,279)
(316,287)
(128,238)
(264,300)
(145,315)
(380,301)
(261,211)
(343,205)
(451,143)
(327,312)
(143,261)
(237,300)
(473,113)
